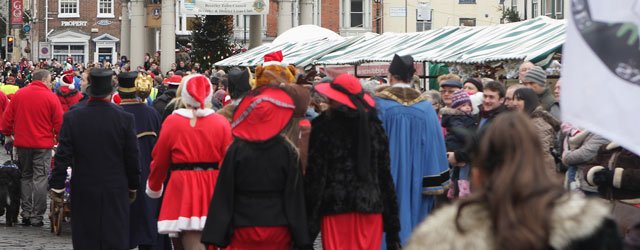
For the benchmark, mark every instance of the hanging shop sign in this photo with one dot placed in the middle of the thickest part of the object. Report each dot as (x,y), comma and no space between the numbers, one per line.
(225,7)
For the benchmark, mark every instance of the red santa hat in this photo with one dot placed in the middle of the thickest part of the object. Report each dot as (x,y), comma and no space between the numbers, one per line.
(197,92)
(274,70)
(173,80)
(274,58)
(67,79)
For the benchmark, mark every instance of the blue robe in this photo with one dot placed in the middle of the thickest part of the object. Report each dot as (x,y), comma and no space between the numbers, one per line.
(144,210)
(417,150)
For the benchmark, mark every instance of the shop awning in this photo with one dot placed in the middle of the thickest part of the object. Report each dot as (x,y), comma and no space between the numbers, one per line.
(531,40)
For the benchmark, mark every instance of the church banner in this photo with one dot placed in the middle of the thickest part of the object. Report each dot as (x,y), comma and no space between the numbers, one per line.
(600,89)
(225,7)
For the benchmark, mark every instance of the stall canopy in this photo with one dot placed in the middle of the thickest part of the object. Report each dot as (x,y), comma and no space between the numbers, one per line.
(300,46)
(532,40)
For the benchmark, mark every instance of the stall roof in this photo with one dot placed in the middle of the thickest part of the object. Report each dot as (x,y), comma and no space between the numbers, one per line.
(527,40)
(296,50)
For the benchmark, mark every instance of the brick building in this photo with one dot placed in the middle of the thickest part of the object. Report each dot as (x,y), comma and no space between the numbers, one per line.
(88,30)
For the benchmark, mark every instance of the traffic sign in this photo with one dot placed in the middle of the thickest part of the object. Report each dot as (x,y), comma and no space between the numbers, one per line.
(26,28)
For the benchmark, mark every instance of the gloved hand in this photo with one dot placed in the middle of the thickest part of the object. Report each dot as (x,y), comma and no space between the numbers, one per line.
(132,195)
(603,178)
(56,195)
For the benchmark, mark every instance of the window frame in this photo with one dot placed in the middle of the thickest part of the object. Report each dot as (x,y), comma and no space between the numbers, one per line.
(68,15)
(466,1)
(535,8)
(462,19)
(106,15)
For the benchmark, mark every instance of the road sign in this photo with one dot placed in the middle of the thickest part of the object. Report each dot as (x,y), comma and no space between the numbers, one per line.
(26,28)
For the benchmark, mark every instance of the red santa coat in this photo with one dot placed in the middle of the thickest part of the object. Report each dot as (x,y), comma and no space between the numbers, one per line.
(68,97)
(188,192)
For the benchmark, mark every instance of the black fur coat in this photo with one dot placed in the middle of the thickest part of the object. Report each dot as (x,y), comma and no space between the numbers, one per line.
(332,185)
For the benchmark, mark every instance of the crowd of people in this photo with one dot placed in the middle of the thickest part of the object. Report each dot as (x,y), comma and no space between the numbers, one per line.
(279,158)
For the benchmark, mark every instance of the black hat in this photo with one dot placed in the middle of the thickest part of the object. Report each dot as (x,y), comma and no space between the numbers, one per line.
(127,81)
(238,83)
(476,83)
(100,83)
(402,66)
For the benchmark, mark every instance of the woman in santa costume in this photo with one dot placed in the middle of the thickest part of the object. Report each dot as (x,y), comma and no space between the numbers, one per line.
(259,201)
(348,185)
(192,143)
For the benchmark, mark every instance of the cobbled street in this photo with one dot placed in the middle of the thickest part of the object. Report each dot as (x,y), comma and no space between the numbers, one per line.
(32,238)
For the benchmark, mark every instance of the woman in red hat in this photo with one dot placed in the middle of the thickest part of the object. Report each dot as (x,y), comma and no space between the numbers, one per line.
(259,201)
(192,143)
(348,185)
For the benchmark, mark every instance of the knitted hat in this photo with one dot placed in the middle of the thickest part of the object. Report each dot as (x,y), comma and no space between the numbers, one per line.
(274,71)
(475,83)
(67,80)
(402,66)
(459,98)
(536,75)
(197,91)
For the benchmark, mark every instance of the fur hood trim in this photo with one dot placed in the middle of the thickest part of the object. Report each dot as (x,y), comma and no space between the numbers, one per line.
(540,112)
(573,218)
(450,111)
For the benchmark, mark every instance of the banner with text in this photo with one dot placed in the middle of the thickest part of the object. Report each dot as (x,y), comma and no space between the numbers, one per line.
(601,70)
(225,7)
(16,12)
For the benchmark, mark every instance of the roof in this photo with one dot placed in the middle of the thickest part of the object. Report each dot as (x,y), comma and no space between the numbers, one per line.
(531,40)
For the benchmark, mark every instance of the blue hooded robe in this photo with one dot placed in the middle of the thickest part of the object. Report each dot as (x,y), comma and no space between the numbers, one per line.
(417,150)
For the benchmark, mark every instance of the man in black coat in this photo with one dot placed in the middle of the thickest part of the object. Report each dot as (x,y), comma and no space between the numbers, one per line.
(99,143)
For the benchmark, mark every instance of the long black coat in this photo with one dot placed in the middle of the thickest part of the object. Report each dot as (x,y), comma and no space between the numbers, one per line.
(99,143)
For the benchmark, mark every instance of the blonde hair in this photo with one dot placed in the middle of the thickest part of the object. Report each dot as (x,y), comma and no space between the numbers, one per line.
(449,76)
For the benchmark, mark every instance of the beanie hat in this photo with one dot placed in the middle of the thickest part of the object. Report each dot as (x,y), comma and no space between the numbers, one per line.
(459,98)
(475,83)
(67,80)
(536,75)
(197,91)
(274,71)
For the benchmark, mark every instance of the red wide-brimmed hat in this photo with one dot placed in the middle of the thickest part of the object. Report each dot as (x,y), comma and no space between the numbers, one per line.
(342,88)
(263,114)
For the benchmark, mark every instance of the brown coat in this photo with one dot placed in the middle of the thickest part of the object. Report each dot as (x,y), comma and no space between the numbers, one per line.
(547,127)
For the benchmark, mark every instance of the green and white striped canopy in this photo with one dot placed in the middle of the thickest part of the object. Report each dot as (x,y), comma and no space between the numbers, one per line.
(530,40)
(298,53)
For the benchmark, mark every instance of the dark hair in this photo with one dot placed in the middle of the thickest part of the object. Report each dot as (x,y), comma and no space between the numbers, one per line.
(516,189)
(529,97)
(406,79)
(495,86)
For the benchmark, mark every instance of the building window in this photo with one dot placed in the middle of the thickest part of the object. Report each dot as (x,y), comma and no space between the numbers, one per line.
(467,22)
(353,13)
(534,8)
(466,1)
(68,8)
(423,25)
(105,8)
(546,7)
(61,52)
(559,9)
(514,4)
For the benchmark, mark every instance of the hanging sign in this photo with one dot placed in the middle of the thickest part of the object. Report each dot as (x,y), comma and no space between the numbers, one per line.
(16,12)
(225,7)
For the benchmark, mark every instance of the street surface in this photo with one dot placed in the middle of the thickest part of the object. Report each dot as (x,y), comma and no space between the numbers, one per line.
(32,238)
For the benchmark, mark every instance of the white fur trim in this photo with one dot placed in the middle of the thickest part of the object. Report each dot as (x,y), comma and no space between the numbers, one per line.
(188,113)
(188,99)
(617,177)
(612,145)
(154,194)
(573,218)
(172,227)
(591,173)
(275,63)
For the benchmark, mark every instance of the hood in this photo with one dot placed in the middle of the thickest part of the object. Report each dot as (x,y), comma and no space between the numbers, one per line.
(572,218)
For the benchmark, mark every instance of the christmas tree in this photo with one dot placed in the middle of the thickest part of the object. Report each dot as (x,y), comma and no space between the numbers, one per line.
(211,38)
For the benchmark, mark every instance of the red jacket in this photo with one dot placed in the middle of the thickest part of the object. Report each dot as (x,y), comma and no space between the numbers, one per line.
(34,117)
(68,97)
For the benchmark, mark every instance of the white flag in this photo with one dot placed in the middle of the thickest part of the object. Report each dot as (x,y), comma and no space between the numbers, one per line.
(601,70)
